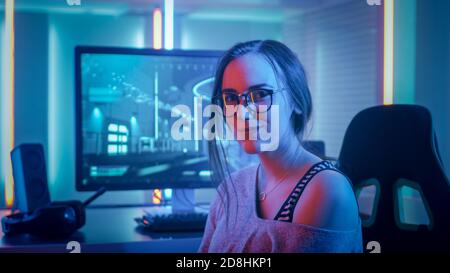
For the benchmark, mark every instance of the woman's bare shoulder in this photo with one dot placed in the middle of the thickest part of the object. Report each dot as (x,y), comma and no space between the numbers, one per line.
(328,202)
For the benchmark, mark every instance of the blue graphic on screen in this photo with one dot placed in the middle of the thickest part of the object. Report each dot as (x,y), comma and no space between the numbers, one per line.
(126,119)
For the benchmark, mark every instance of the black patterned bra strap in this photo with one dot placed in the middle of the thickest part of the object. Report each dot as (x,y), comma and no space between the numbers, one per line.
(286,211)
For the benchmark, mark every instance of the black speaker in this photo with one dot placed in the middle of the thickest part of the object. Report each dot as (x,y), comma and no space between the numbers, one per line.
(30,177)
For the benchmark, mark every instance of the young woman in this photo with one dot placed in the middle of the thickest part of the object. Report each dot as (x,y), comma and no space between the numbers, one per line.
(291,201)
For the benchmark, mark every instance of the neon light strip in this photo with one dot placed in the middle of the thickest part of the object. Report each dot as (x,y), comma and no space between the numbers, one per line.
(388,79)
(4,109)
(195,89)
(2,87)
(8,102)
(156,106)
(53,139)
(157,196)
(196,125)
(168,24)
(157,29)
(156,192)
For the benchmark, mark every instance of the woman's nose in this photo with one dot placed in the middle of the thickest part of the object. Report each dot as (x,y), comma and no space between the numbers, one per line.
(244,113)
(242,100)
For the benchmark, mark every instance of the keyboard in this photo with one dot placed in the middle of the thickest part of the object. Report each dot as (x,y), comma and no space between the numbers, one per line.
(189,221)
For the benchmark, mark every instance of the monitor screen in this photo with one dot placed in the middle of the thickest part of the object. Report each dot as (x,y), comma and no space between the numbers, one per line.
(124,102)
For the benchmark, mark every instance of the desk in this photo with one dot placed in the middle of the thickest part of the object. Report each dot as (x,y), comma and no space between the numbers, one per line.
(109,230)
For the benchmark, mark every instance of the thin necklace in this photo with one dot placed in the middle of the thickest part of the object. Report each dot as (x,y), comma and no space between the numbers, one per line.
(263,194)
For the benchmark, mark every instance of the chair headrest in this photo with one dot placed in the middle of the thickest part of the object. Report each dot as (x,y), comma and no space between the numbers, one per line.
(391,142)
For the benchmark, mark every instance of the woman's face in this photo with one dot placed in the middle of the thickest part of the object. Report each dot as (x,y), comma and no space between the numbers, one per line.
(250,72)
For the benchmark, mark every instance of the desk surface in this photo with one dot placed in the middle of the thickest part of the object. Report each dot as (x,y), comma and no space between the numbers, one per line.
(108,230)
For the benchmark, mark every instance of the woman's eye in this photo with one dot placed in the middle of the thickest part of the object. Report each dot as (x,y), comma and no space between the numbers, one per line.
(230,98)
(260,94)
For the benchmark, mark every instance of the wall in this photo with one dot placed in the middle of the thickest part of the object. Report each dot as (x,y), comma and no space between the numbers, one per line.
(221,35)
(338,47)
(30,78)
(433,68)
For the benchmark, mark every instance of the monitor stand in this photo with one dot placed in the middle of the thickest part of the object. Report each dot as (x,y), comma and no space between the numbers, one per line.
(183,200)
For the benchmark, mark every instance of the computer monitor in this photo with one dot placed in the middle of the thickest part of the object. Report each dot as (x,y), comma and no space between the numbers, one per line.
(124,99)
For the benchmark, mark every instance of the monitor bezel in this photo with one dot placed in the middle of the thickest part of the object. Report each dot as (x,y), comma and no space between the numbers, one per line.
(79,51)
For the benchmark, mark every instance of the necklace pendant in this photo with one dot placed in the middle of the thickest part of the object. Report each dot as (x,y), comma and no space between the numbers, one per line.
(262,196)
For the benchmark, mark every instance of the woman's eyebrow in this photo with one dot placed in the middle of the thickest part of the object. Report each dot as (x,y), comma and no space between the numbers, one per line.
(253,87)
(256,86)
(229,90)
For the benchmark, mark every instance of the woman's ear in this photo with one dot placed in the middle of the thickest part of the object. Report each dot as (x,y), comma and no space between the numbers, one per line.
(294,108)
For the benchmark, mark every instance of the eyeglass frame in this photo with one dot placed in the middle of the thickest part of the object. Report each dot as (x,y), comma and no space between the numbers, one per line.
(246,95)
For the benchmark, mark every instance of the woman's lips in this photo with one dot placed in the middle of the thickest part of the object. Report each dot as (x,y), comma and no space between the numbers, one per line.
(247,129)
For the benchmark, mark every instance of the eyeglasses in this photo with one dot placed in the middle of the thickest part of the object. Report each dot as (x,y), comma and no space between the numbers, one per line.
(257,100)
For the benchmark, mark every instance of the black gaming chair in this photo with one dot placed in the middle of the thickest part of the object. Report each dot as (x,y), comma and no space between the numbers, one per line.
(394,146)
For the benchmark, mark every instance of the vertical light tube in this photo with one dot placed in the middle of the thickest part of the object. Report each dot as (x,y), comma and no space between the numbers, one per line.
(388,79)
(168,24)
(157,196)
(157,29)
(156,107)
(196,125)
(53,139)
(7,102)
(2,87)
(157,44)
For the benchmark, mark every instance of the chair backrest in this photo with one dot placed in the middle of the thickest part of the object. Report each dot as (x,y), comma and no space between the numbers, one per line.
(392,147)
